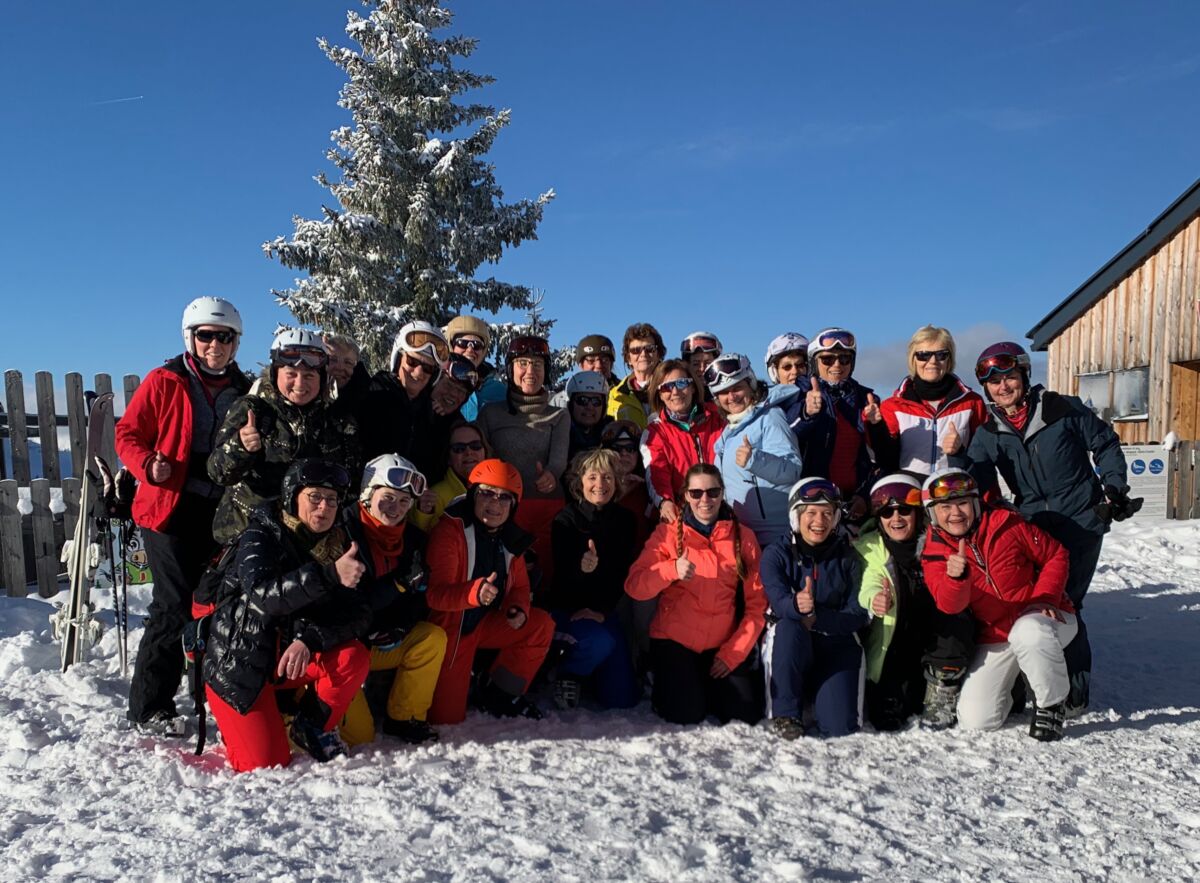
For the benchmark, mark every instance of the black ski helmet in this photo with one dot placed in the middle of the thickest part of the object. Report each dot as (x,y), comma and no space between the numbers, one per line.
(308,473)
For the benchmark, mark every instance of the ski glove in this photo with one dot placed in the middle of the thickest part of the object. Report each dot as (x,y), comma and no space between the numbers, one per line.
(1118,506)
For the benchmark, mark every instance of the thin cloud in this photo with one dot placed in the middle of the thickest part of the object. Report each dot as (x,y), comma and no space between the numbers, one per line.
(1012,119)
(729,146)
(117,100)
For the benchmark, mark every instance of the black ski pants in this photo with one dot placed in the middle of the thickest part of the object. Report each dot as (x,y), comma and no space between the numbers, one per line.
(685,692)
(178,555)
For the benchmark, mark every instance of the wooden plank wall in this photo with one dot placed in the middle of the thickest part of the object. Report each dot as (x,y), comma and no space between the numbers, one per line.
(15,570)
(1149,319)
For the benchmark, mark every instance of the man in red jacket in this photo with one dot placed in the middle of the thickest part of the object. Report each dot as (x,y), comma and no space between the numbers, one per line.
(164,438)
(1012,576)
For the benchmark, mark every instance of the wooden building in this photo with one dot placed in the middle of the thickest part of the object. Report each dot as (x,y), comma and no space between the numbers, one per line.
(1128,339)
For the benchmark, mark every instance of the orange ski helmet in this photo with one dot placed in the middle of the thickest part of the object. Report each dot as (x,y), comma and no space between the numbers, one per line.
(497,473)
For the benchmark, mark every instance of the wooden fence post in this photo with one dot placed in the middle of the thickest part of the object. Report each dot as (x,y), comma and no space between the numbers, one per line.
(131,382)
(14,390)
(76,418)
(12,546)
(45,557)
(48,427)
(107,445)
(70,491)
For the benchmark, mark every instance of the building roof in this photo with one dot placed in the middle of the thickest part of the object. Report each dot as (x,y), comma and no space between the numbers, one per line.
(1161,229)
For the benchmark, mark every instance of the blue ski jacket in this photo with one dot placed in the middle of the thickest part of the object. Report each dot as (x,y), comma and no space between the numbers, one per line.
(758,492)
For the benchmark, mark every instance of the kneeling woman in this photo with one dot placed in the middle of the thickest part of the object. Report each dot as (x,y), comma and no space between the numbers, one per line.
(703,568)
(811,578)
(593,539)
(392,550)
(1012,576)
(479,593)
(292,585)
(916,655)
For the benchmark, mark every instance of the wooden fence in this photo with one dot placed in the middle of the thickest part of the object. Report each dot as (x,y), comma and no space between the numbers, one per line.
(1183,488)
(30,544)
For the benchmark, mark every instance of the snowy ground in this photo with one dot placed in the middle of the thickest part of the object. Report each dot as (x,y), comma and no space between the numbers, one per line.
(589,796)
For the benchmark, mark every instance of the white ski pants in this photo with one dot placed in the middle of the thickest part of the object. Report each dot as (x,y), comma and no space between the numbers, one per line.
(1035,649)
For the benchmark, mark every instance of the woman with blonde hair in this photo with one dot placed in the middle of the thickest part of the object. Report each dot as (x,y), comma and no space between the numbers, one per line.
(931,417)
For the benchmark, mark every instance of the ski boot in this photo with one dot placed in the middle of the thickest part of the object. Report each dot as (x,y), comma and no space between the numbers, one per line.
(308,731)
(942,685)
(162,723)
(1047,723)
(789,728)
(499,703)
(566,693)
(412,731)
(1081,687)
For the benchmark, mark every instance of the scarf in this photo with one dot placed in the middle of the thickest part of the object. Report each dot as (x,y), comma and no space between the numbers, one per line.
(385,543)
(324,548)
(684,421)
(735,419)
(519,403)
(934,391)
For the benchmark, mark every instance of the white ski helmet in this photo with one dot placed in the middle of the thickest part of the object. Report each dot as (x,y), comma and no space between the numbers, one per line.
(299,341)
(700,342)
(728,369)
(394,471)
(211,311)
(832,339)
(587,383)
(949,484)
(788,342)
(421,338)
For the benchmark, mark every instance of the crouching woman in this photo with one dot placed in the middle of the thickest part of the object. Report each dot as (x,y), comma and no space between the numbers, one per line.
(292,586)
(703,568)
(1012,576)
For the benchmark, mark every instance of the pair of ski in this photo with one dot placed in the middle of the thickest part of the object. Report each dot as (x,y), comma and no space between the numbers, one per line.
(74,622)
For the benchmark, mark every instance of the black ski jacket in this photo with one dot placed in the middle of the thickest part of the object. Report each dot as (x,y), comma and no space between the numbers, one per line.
(613,528)
(274,593)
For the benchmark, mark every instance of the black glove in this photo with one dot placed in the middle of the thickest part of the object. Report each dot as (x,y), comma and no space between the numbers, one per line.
(1119,505)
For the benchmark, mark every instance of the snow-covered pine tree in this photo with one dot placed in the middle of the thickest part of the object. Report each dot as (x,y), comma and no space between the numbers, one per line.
(418,213)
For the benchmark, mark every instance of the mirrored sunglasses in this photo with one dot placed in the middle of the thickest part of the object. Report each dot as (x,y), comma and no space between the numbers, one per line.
(468,343)
(678,385)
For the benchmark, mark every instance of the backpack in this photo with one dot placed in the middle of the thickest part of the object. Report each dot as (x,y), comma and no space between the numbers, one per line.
(205,600)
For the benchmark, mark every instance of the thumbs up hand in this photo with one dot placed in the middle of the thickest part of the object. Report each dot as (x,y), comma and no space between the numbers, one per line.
(883,600)
(349,568)
(159,469)
(248,434)
(744,452)
(685,568)
(804,598)
(590,559)
(545,481)
(488,592)
(956,565)
(813,403)
(871,412)
(951,440)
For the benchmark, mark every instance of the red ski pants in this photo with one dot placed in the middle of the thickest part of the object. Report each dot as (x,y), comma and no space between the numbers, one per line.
(521,654)
(258,739)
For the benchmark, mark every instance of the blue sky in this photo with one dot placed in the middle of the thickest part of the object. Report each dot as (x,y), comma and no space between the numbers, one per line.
(746,168)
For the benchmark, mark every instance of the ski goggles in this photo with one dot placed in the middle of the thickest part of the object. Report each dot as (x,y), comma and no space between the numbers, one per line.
(418,341)
(816,491)
(400,479)
(208,335)
(464,372)
(322,473)
(679,384)
(836,338)
(528,346)
(295,356)
(700,343)
(724,368)
(891,495)
(950,487)
(987,369)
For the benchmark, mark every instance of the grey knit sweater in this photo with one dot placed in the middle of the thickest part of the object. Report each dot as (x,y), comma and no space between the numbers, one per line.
(525,431)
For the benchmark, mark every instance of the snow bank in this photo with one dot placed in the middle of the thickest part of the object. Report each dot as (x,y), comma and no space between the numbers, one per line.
(598,796)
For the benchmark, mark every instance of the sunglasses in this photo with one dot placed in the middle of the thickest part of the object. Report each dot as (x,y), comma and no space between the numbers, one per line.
(588,401)
(678,385)
(504,498)
(648,350)
(924,356)
(467,343)
(207,335)
(840,359)
(831,339)
(296,356)
(622,447)
(463,447)
(713,493)
(985,369)
(415,364)
(890,510)
(423,340)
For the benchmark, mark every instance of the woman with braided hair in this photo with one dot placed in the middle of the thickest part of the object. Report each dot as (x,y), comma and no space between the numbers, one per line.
(703,568)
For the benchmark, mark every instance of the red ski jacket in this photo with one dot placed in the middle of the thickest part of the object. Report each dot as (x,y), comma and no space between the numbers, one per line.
(1011,566)
(699,613)
(917,429)
(669,451)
